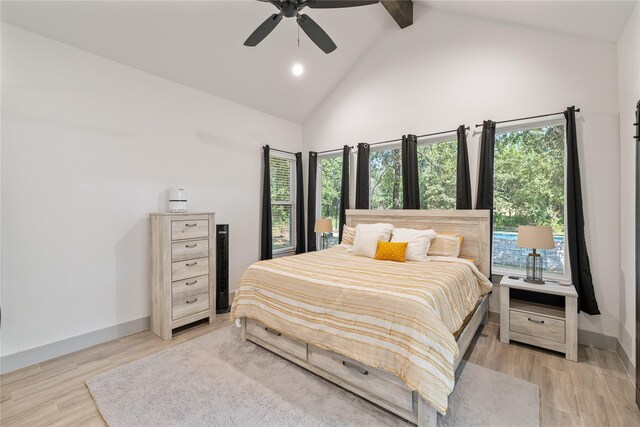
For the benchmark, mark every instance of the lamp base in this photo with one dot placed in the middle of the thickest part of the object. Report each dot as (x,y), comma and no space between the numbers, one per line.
(535,281)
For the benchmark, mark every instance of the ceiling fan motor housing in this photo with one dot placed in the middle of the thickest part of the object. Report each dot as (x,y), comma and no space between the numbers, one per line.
(289,9)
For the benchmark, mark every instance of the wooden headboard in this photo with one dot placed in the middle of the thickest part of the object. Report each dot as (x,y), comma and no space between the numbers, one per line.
(472,224)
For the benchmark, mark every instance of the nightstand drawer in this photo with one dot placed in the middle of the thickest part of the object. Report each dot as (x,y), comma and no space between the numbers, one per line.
(544,327)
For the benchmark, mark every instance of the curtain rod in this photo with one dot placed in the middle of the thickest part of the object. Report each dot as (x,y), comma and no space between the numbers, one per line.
(331,151)
(440,133)
(282,151)
(527,118)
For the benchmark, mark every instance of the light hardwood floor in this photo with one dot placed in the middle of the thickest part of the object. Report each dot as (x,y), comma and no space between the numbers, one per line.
(596,391)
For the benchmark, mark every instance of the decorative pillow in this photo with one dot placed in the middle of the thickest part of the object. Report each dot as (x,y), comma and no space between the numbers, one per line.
(419,242)
(348,234)
(446,245)
(367,237)
(391,251)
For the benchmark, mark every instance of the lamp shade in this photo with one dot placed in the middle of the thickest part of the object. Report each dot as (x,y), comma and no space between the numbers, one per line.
(323,225)
(535,237)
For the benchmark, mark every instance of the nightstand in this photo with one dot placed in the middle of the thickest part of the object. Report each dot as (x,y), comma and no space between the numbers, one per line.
(546,326)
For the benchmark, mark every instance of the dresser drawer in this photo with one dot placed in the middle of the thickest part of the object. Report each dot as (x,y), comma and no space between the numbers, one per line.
(191,268)
(189,229)
(190,305)
(374,381)
(189,287)
(193,249)
(276,339)
(536,325)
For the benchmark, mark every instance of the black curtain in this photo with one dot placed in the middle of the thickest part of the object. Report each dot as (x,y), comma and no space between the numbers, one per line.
(362,177)
(463,179)
(265,231)
(577,245)
(485,175)
(344,190)
(300,236)
(410,186)
(311,201)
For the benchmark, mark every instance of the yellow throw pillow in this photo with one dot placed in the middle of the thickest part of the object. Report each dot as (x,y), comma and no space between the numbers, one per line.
(391,251)
(446,245)
(348,234)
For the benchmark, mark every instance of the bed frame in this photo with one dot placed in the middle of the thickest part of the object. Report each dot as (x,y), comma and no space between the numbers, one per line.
(373,384)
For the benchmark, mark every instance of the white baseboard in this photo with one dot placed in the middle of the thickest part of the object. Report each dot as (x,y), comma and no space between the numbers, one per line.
(14,361)
(626,362)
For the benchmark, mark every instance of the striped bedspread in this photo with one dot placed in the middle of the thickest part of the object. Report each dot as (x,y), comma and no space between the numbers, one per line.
(399,317)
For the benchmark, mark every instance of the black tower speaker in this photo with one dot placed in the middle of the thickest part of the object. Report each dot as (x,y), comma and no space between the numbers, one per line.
(222,268)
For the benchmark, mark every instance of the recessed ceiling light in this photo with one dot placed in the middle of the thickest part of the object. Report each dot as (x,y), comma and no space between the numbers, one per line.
(297,70)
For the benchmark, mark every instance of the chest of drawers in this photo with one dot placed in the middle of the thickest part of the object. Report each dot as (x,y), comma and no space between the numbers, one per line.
(182,270)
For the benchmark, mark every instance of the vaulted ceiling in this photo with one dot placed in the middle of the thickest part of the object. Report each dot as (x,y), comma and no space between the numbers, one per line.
(200,43)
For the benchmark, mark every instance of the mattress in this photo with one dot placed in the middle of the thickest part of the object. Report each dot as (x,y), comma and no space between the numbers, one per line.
(399,317)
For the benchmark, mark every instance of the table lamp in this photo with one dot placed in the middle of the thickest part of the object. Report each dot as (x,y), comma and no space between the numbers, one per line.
(535,237)
(324,226)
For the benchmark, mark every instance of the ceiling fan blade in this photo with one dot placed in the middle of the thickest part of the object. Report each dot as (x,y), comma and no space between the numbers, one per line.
(316,34)
(263,30)
(334,4)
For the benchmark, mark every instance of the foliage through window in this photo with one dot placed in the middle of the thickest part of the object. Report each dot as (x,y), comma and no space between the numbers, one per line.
(385,179)
(282,203)
(529,184)
(331,181)
(437,169)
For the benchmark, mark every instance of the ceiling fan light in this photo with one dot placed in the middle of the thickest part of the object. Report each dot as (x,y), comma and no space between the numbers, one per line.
(297,70)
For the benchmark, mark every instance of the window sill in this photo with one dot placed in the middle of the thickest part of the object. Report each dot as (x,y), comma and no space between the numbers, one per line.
(284,252)
(520,273)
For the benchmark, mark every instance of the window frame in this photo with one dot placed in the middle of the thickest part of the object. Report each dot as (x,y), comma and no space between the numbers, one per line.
(501,271)
(291,202)
(375,149)
(438,139)
(319,189)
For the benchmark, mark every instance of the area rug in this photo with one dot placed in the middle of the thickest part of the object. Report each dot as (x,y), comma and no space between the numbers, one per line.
(218,380)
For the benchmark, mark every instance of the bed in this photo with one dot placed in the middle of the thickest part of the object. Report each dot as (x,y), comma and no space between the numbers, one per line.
(393,333)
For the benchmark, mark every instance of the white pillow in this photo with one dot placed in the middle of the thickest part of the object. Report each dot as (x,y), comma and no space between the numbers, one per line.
(419,241)
(367,236)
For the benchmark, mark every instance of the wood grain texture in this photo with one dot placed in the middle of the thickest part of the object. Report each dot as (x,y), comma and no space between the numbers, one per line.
(181,251)
(175,265)
(472,224)
(400,11)
(530,323)
(54,393)
(376,385)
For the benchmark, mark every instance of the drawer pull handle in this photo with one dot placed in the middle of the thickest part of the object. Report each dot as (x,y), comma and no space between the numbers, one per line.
(272,332)
(191,264)
(191,246)
(191,283)
(191,301)
(356,368)
(190,225)
(535,321)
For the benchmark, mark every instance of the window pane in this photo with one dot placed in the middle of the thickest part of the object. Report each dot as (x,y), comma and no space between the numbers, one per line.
(331,170)
(282,226)
(280,179)
(385,185)
(528,190)
(437,166)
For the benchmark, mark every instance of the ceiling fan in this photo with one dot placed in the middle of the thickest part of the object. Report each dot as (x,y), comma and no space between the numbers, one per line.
(291,8)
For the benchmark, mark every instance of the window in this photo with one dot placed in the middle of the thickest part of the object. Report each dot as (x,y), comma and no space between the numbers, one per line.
(437,174)
(529,185)
(330,186)
(283,221)
(385,179)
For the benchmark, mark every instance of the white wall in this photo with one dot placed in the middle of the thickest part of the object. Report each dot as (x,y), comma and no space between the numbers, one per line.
(88,148)
(628,96)
(450,69)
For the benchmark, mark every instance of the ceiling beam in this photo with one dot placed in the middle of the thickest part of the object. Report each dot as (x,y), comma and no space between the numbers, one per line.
(401,11)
